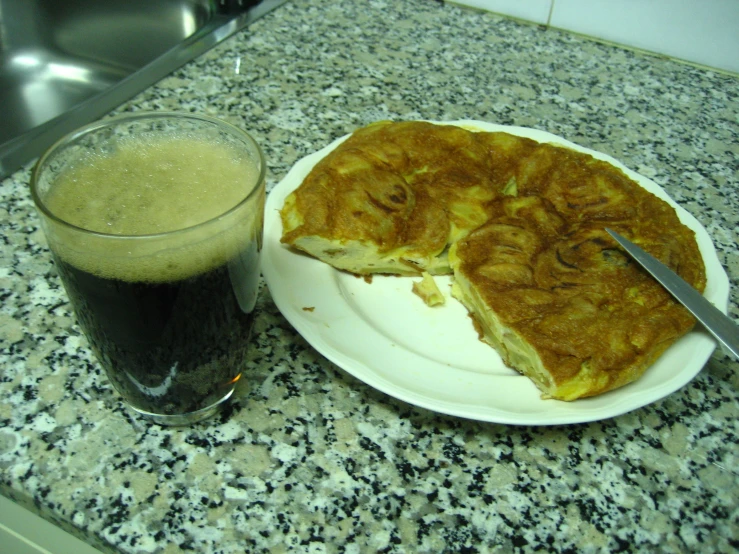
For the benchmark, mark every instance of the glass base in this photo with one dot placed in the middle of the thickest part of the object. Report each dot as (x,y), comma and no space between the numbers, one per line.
(188,418)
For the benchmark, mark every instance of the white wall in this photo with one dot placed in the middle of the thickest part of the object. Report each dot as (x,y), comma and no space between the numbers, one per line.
(700,31)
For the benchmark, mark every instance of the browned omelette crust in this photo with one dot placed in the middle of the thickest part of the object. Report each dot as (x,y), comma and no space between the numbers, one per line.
(552,275)
(409,188)
(531,258)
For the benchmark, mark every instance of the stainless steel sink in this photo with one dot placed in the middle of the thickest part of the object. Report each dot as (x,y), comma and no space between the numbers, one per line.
(64,63)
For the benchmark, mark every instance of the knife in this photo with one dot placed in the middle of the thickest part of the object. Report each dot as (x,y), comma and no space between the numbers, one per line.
(718,324)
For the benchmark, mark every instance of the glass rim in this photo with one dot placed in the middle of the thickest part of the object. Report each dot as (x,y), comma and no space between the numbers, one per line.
(107,122)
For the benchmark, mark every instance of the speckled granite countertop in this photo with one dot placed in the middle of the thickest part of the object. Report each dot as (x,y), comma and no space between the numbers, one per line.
(311,460)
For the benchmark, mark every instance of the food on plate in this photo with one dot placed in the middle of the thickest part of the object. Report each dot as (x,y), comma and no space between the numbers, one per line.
(428,291)
(521,226)
(392,199)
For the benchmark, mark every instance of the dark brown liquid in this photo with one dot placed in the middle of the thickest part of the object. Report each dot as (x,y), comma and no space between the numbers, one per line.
(172,347)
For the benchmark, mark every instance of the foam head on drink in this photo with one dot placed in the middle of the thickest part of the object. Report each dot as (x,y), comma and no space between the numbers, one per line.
(165,283)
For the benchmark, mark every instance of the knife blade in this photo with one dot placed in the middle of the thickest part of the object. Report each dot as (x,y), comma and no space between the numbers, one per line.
(715,322)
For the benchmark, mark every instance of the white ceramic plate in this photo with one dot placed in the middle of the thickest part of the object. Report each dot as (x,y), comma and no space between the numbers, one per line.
(385,335)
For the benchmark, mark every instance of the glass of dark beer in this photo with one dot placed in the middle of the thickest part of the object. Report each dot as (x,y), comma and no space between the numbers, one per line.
(154,221)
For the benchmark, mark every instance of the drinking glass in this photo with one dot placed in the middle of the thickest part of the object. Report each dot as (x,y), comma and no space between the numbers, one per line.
(154,222)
